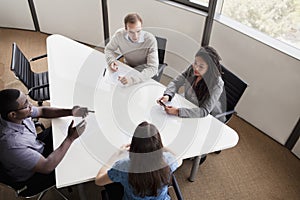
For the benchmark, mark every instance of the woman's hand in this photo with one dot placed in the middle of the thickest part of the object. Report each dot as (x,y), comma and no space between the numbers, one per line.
(123,80)
(120,153)
(163,99)
(125,147)
(172,110)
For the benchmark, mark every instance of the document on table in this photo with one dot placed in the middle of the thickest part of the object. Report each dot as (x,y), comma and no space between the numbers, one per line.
(113,77)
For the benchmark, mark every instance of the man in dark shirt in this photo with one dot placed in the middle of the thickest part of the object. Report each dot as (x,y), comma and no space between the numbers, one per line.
(27,158)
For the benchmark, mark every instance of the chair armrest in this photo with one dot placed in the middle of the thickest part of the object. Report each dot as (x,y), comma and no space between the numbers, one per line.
(38,124)
(38,87)
(161,67)
(119,57)
(176,188)
(38,57)
(159,73)
(225,113)
(21,190)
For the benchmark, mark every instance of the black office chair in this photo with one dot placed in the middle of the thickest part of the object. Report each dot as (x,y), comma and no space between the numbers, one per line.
(161,45)
(36,83)
(234,88)
(174,185)
(24,191)
(37,196)
(176,188)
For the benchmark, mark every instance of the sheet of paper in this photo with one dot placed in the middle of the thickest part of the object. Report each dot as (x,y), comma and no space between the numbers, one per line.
(113,77)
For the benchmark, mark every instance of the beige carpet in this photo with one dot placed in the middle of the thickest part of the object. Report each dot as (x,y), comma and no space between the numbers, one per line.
(257,168)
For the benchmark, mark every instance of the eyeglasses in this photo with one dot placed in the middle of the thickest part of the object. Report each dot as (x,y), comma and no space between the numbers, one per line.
(197,66)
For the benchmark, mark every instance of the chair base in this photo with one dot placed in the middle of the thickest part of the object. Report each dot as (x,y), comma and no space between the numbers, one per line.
(44,192)
(217,152)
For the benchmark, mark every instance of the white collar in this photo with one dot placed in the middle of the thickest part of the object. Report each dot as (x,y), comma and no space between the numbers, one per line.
(141,38)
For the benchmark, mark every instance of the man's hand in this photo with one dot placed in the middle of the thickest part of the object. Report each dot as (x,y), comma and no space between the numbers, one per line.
(78,111)
(123,80)
(75,132)
(113,66)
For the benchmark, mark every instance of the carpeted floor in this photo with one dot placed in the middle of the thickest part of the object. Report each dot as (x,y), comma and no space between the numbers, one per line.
(257,168)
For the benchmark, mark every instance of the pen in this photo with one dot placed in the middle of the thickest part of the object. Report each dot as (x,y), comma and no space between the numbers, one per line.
(104,72)
(91,111)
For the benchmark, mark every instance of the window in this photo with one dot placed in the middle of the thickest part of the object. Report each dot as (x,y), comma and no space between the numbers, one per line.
(279,19)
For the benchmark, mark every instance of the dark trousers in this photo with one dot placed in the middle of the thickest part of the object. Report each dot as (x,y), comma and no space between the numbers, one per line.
(115,191)
(39,182)
(46,138)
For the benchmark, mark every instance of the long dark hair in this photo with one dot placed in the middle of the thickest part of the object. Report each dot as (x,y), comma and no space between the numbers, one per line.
(148,170)
(210,78)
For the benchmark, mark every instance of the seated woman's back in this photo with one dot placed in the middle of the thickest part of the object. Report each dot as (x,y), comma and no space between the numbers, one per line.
(146,172)
(120,173)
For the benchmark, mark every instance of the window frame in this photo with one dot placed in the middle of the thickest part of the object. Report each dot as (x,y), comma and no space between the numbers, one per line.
(192,5)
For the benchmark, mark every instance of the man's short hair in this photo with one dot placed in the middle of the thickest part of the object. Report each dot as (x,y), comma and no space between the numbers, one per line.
(8,101)
(132,18)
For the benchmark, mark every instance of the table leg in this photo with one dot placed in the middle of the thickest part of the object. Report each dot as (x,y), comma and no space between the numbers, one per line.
(195,168)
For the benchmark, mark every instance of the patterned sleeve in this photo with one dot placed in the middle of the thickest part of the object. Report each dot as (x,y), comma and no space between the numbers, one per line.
(171,161)
(116,174)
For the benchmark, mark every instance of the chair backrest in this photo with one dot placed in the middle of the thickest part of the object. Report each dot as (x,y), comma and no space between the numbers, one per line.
(17,193)
(36,83)
(234,89)
(29,192)
(161,45)
(5,184)
(21,67)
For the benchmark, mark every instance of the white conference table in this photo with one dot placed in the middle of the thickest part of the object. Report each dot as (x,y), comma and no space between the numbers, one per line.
(76,78)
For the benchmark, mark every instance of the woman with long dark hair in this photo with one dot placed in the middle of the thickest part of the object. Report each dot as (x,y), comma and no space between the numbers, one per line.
(146,172)
(202,84)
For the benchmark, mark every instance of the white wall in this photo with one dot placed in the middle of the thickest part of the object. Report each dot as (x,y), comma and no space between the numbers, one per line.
(15,14)
(272,100)
(76,19)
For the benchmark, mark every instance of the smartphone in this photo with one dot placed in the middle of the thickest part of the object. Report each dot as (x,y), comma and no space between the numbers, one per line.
(162,103)
(80,123)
